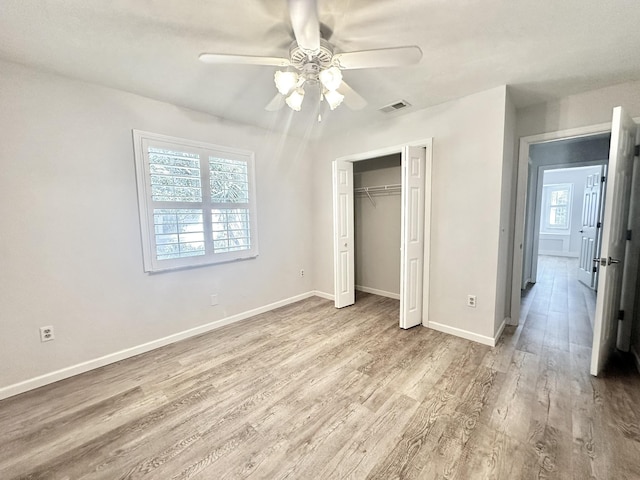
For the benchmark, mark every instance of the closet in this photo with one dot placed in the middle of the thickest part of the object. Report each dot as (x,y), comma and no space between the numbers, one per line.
(377,210)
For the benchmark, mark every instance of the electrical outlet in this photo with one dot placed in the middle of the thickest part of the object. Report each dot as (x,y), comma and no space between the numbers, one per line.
(46,334)
(214,299)
(471,301)
(302,272)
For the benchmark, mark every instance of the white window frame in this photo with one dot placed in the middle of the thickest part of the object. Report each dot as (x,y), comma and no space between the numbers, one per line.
(547,191)
(142,141)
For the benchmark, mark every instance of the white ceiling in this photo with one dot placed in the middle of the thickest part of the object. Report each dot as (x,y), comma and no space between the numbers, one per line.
(544,49)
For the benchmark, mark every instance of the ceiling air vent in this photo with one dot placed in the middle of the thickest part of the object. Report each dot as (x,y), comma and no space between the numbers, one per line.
(399,105)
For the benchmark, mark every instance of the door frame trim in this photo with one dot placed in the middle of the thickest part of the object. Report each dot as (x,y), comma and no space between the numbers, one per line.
(398,149)
(521,201)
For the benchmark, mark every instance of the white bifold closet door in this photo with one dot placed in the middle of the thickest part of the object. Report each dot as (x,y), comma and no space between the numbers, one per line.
(412,231)
(412,244)
(343,234)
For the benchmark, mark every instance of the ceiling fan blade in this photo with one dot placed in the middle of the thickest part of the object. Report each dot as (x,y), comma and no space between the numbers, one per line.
(275,104)
(352,99)
(384,57)
(224,59)
(305,23)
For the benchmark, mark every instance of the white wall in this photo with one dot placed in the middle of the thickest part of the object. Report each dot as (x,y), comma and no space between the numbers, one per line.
(568,242)
(377,227)
(71,238)
(468,153)
(584,109)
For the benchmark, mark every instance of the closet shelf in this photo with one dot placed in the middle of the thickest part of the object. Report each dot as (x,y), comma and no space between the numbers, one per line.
(377,190)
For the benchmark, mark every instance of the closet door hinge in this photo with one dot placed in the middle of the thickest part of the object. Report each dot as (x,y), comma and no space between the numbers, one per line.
(629,235)
(620,314)
(603,179)
(636,151)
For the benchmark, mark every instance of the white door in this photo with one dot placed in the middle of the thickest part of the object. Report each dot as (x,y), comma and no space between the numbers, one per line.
(412,233)
(343,248)
(614,235)
(589,228)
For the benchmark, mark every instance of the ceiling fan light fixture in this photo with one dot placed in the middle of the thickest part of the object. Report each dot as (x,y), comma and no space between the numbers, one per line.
(331,78)
(333,98)
(295,99)
(285,81)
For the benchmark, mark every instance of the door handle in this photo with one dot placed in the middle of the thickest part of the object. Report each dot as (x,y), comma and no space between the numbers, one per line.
(581,231)
(606,261)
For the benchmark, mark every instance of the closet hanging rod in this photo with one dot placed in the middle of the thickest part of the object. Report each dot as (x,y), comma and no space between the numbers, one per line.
(378,188)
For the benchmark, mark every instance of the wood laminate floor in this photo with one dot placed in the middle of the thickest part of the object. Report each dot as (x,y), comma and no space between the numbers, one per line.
(311,392)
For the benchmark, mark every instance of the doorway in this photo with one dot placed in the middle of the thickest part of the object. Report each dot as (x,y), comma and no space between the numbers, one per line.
(377,210)
(612,263)
(558,161)
(558,297)
(415,192)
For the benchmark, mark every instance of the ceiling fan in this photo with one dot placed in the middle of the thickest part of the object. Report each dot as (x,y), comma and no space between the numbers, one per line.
(312,61)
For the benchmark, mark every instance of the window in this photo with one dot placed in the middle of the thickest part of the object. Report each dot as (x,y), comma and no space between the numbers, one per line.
(556,207)
(197,202)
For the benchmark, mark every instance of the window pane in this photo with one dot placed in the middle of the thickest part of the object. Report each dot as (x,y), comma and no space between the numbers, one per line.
(229,180)
(175,176)
(178,233)
(231,231)
(558,216)
(560,197)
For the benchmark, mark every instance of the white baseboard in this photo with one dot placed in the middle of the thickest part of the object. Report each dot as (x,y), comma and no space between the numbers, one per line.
(375,291)
(636,356)
(83,367)
(458,332)
(328,296)
(498,334)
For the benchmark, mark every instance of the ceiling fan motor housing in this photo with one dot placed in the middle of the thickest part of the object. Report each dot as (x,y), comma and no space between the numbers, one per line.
(300,58)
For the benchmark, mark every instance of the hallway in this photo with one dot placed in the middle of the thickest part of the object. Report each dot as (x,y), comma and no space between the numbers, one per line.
(595,417)
(558,310)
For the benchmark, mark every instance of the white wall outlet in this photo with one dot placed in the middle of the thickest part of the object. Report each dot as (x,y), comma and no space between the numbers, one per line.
(214,299)
(302,272)
(46,334)
(471,301)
